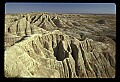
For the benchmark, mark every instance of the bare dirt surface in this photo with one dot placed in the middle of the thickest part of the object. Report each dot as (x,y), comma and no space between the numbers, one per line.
(47,45)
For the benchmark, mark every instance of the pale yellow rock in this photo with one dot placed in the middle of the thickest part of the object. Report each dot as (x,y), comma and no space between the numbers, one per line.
(24,53)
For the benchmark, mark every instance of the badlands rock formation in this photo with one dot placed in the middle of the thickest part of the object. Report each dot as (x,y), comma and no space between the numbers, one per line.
(46,45)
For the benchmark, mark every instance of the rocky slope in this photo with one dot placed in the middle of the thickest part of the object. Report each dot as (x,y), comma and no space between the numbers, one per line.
(46,45)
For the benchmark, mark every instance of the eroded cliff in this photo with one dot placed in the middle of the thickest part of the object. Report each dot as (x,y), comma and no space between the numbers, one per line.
(34,48)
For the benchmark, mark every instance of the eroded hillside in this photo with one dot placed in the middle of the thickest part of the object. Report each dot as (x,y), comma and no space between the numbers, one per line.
(46,45)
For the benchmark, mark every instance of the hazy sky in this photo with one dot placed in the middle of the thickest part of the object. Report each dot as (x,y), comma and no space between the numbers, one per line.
(100,8)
